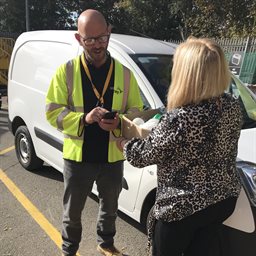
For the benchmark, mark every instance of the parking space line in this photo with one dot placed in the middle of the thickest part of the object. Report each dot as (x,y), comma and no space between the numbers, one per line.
(7,150)
(41,220)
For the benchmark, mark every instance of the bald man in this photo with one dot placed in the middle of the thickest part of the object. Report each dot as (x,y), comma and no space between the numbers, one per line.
(91,26)
(81,92)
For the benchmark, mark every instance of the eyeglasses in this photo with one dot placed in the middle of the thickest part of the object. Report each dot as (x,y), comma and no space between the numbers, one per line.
(92,40)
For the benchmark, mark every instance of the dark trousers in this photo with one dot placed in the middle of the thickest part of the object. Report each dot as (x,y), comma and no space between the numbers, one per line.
(78,182)
(195,235)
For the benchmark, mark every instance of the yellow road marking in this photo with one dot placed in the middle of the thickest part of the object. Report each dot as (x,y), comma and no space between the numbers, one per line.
(49,229)
(32,210)
(7,150)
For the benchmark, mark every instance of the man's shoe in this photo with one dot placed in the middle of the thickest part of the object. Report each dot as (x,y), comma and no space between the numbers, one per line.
(109,251)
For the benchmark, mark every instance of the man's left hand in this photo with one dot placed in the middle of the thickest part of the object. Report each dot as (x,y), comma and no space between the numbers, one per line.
(109,124)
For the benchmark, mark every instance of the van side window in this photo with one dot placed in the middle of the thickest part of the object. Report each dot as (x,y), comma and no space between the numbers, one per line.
(36,62)
(157,69)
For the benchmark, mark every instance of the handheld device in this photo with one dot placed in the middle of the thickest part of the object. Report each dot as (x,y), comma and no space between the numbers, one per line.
(109,115)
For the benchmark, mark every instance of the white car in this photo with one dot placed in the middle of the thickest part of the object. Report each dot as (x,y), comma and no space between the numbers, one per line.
(36,56)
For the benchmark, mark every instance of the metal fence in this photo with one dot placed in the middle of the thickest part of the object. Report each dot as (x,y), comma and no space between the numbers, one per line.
(241,56)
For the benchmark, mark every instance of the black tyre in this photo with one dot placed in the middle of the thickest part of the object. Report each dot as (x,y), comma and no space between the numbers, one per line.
(0,102)
(25,150)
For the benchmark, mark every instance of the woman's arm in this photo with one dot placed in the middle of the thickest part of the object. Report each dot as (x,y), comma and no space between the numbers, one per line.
(158,145)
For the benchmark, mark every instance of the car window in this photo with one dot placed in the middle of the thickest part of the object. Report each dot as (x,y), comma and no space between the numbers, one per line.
(157,69)
(247,101)
(146,104)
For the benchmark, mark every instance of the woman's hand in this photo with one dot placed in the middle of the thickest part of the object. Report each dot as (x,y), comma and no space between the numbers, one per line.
(121,142)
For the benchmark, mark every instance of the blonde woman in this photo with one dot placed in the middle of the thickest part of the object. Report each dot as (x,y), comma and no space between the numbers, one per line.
(195,149)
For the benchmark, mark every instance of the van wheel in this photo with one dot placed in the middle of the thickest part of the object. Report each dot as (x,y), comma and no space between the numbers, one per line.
(25,150)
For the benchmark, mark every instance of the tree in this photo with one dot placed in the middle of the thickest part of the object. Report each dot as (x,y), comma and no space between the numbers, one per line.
(12,15)
(218,18)
(54,14)
(241,18)
(51,14)
(156,19)
(105,7)
(162,19)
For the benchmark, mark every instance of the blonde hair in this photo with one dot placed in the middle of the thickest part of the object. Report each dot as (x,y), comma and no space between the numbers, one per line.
(200,71)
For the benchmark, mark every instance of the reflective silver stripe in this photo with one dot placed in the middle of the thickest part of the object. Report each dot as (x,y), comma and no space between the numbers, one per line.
(69,80)
(71,107)
(60,118)
(127,78)
(53,106)
(79,109)
(73,137)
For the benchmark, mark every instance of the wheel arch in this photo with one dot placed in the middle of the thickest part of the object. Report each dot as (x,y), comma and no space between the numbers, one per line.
(147,205)
(16,123)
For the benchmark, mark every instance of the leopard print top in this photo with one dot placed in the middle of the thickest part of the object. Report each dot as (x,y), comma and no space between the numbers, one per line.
(195,149)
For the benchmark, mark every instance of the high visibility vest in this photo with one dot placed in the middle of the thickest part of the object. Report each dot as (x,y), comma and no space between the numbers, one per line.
(65,106)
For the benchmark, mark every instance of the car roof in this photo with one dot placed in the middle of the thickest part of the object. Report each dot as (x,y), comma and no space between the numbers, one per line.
(142,45)
(130,44)
(66,36)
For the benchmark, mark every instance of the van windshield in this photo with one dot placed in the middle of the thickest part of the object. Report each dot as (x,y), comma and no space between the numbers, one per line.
(247,101)
(157,69)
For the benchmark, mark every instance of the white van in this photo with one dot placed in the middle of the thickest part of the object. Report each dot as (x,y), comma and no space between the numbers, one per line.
(36,56)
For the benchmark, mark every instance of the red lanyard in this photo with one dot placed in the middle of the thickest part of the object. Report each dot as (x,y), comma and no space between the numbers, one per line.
(106,84)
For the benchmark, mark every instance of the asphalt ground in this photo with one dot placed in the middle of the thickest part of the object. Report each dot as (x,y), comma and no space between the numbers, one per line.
(31,210)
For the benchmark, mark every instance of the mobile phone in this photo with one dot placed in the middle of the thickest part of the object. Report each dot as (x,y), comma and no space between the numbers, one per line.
(109,115)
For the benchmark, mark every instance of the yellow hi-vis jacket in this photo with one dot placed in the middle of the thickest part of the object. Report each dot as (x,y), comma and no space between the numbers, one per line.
(65,106)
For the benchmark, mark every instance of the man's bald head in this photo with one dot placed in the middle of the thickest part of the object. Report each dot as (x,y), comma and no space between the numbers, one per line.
(90,22)
(93,27)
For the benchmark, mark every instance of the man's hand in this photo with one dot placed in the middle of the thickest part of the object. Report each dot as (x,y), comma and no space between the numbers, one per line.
(96,115)
(109,124)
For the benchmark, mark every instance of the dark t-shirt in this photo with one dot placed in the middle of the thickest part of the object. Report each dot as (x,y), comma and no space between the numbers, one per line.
(96,140)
